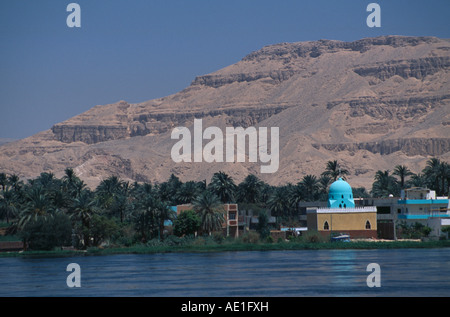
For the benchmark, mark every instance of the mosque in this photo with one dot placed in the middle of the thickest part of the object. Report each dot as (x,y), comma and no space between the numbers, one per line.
(341,215)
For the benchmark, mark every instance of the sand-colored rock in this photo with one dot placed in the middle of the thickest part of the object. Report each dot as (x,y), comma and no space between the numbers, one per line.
(370,104)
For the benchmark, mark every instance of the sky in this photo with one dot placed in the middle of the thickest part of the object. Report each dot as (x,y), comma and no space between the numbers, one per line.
(138,50)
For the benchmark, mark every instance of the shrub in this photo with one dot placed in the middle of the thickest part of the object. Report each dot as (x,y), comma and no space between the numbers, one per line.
(173,241)
(47,233)
(187,223)
(102,229)
(217,237)
(413,231)
(263,225)
(251,237)
(312,237)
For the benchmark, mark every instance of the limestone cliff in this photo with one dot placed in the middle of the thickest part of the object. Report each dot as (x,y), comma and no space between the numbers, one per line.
(370,104)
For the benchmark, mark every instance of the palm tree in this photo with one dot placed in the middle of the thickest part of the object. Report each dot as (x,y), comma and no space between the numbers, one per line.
(447,178)
(223,186)
(8,204)
(162,212)
(334,171)
(384,185)
(15,182)
(69,176)
(141,190)
(144,219)
(77,188)
(432,172)
(278,203)
(60,199)
(3,181)
(71,183)
(265,192)
(417,180)
(402,171)
(310,186)
(37,205)
(324,183)
(110,185)
(174,184)
(295,195)
(444,175)
(249,190)
(107,189)
(210,209)
(187,192)
(82,209)
(47,180)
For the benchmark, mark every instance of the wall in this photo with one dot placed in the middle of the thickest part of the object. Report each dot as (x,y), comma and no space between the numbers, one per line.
(355,234)
(347,221)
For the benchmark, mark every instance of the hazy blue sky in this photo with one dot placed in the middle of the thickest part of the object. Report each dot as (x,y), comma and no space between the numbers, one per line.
(145,49)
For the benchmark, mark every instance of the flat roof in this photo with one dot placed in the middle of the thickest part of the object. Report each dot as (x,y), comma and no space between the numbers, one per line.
(343,210)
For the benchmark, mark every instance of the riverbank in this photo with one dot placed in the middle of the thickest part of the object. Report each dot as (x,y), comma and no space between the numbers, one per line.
(233,246)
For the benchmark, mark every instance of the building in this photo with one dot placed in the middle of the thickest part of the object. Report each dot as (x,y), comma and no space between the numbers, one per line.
(341,215)
(414,205)
(421,205)
(231,224)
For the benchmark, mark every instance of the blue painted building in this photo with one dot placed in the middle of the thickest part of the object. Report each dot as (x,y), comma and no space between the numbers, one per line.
(422,203)
(423,206)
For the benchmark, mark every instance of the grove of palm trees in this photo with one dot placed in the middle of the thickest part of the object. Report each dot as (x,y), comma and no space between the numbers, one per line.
(48,212)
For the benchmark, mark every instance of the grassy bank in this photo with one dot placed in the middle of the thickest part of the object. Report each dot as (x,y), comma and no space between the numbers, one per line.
(231,246)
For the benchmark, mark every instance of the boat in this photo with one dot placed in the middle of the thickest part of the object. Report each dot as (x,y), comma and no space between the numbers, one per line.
(341,238)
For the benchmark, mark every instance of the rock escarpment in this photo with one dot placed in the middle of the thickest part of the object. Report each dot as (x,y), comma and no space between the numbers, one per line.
(410,147)
(370,104)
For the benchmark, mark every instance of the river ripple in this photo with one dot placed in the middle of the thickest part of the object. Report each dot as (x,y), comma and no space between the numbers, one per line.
(404,272)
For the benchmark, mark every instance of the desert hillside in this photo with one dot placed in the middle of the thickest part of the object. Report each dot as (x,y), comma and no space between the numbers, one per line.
(370,104)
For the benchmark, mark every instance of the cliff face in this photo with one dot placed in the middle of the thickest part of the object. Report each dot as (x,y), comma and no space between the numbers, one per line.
(410,147)
(416,68)
(89,134)
(368,103)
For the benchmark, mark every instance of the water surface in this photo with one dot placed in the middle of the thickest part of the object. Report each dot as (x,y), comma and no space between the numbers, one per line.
(404,272)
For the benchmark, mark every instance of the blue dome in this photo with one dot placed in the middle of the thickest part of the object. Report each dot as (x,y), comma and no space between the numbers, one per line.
(340,186)
(340,195)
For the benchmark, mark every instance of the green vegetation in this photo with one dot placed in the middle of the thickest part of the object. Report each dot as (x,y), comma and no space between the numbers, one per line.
(48,213)
(435,175)
(217,243)
(412,231)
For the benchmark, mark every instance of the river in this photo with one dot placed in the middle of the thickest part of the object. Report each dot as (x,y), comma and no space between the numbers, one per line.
(402,272)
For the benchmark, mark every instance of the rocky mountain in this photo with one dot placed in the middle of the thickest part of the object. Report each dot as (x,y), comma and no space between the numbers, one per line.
(370,104)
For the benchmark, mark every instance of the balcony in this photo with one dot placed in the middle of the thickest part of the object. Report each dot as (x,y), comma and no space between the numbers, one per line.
(423,202)
(424,216)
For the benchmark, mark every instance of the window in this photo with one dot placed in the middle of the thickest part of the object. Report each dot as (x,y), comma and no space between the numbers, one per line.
(368,226)
(232,216)
(326,226)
